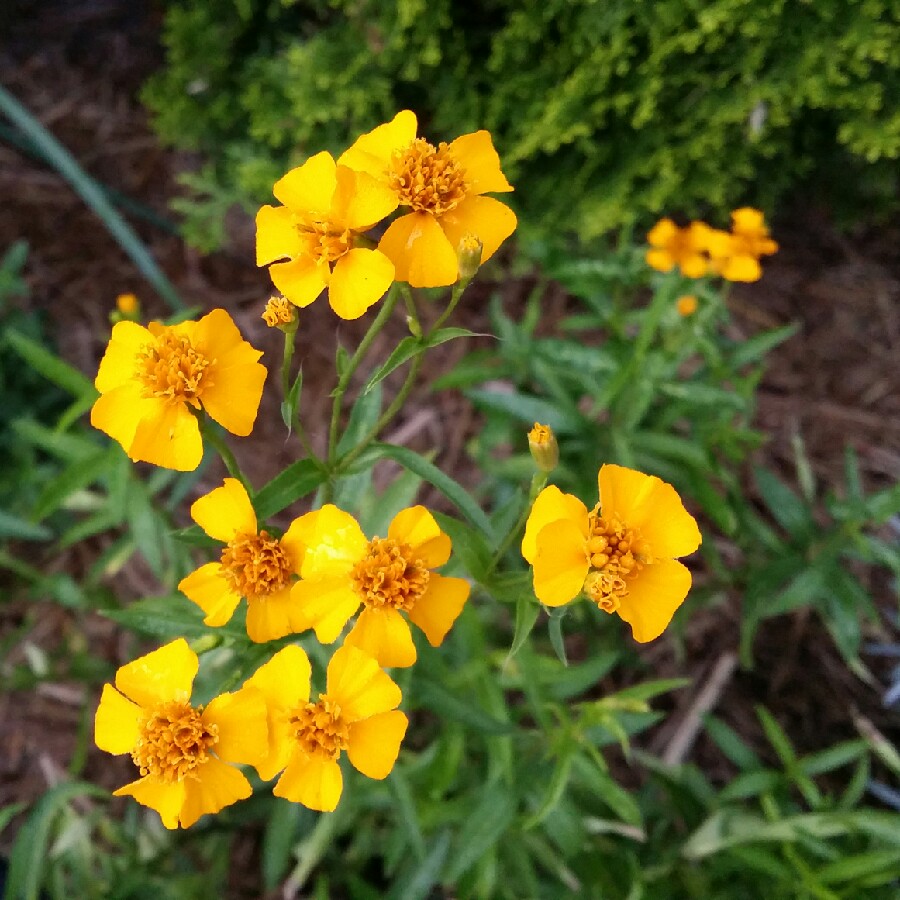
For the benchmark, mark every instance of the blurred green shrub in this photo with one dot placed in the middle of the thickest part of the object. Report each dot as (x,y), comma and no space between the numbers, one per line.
(603,113)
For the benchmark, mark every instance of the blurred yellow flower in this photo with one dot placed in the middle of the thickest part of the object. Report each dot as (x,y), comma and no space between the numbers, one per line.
(622,554)
(317,231)
(127,305)
(357,714)
(341,569)
(183,752)
(149,377)
(443,186)
(254,564)
(683,247)
(686,305)
(735,255)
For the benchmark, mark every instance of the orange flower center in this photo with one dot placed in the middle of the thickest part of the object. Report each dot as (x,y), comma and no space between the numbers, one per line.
(389,575)
(427,178)
(171,368)
(323,242)
(173,741)
(319,728)
(614,554)
(255,565)
(279,311)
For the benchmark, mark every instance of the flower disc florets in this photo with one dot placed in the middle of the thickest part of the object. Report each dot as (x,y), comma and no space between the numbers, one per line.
(389,575)
(319,728)
(173,741)
(170,368)
(255,565)
(427,178)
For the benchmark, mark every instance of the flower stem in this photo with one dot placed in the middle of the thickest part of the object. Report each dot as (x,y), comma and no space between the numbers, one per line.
(219,445)
(290,337)
(538,481)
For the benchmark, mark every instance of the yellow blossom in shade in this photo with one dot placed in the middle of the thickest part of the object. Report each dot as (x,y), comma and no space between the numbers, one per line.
(622,554)
(150,379)
(253,564)
(357,714)
(342,570)
(686,305)
(184,753)
(672,246)
(317,234)
(735,255)
(444,188)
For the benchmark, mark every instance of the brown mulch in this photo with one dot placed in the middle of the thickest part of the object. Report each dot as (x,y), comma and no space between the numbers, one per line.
(78,66)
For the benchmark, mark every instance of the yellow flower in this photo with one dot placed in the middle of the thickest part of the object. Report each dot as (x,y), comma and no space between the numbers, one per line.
(326,209)
(149,377)
(683,247)
(621,554)
(735,255)
(341,570)
(357,713)
(254,564)
(182,751)
(686,305)
(443,186)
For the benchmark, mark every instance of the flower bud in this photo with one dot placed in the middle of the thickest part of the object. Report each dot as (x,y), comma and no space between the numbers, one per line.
(469,254)
(281,313)
(543,447)
(127,307)
(686,305)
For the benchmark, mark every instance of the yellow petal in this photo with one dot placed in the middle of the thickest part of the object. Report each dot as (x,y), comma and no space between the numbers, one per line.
(653,596)
(360,201)
(301,281)
(420,251)
(550,506)
(748,220)
(476,153)
(560,565)
(116,722)
(334,542)
(312,781)
(694,266)
(384,635)
(651,506)
(225,511)
(120,410)
(325,605)
(119,361)
(372,151)
(241,720)
(168,435)
(439,607)
(741,268)
(662,233)
(273,616)
(661,260)
(309,188)
(293,545)
(486,217)
(375,743)
(417,527)
(357,684)
(208,588)
(167,798)
(160,676)
(360,279)
(216,786)
(276,235)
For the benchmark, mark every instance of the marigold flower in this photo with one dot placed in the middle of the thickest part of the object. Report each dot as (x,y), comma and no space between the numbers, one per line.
(683,247)
(149,377)
(341,570)
(735,255)
(254,564)
(357,714)
(686,305)
(326,209)
(183,752)
(443,186)
(621,554)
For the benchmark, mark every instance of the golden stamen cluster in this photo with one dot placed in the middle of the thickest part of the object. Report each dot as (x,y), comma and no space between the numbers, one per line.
(319,728)
(389,575)
(279,311)
(255,565)
(171,368)
(614,553)
(173,741)
(322,241)
(427,178)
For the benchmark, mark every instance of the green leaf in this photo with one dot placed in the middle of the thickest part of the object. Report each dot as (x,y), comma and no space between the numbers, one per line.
(278,840)
(298,480)
(469,547)
(170,616)
(557,641)
(835,757)
(72,479)
(558,784)
(290,403)
(487,823)
(731,744)
(527,611)
(756,347)
(363,417)
(861,866)
(786,507)
(22,530)
(419,884)
(527,410)
(445,703)
(48,364)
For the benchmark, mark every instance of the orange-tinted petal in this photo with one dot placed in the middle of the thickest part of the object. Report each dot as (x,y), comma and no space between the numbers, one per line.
(486,217)
(116,722)
(301,281)
(309,188)
(420,251)
(276,235)
(325,605)
(372,151)
(653,596)
(208,588)
(375,743)
(273,616)
(661,260)
(311,780)
(359,686)
(662,233)
(216,786)
(225,511)
(560,565)
(476,153)
(741,268)
(360,279)
(748,220)
(360,200)
(293,545)
(417,527)
(384,635)
(168,435)
(160,676)
(694,266)
(551,505)
(120,411)
(119,360)
(242,724)
(334,542)
(167,798)
(439,607)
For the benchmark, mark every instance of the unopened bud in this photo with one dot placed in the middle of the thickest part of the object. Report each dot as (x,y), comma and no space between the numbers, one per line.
(543,447)
(469,253)
(686,305)
(281,313)
(127,307)
(415,329)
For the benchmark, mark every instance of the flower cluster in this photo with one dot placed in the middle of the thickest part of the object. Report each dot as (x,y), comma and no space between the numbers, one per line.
(698,250)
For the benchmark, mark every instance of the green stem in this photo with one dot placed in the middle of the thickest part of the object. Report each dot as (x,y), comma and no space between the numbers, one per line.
(290,338)
(538,481)
(455,296)
(219,445)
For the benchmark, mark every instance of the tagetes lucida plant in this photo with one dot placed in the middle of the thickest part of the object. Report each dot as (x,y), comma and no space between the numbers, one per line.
(321,578)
